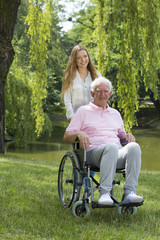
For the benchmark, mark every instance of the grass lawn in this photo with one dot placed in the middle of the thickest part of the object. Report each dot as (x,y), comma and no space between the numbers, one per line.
(30,208)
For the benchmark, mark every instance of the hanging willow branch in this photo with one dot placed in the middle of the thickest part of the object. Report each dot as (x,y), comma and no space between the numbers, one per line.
(39,22)
(100,36)
(127,36)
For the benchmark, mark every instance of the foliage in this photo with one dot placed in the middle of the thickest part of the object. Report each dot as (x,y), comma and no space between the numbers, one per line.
(83,28)
(39,21)
(133,34)
(34,80)
(100,36)
(122,38)
(19,122)
(125,42)
(58,51)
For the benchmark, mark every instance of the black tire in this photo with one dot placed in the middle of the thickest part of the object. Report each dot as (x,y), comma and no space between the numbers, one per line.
(69,179)
(127,210)
(81,210)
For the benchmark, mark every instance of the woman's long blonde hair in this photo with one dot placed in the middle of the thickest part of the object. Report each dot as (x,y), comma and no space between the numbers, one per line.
(70,71)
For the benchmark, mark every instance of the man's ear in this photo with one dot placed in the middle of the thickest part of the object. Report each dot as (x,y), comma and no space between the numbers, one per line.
(110,93)
(92,94)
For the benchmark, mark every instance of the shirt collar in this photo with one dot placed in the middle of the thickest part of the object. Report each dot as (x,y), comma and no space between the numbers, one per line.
(97,108)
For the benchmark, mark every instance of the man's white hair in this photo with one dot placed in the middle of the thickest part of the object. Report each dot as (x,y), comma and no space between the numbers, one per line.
(99,80)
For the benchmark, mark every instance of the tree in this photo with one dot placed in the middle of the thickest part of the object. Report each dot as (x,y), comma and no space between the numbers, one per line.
(39,22)
(132,33)
(21,87)
(126,44)
(8,15)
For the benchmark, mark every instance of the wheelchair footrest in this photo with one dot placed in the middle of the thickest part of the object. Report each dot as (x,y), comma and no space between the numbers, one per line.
(96,205)
(131,204)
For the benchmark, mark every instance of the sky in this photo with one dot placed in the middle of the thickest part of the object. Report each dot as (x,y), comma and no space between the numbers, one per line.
(70,7)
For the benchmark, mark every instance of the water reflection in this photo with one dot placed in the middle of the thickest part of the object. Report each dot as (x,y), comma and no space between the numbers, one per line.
(149,140)
(50,152)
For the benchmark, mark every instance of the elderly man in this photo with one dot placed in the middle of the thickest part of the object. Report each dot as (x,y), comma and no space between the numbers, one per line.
(99,129)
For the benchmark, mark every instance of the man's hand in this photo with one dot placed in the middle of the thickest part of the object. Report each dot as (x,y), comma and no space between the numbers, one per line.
(130,137)
(70,137)
(84,140)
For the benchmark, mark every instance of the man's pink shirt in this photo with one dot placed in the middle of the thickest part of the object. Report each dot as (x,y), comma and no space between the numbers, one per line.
(101,126)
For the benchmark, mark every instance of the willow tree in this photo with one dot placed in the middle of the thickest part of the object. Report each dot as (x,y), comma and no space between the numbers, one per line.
(127,34)
(39,22)
(8,15)
(100,36)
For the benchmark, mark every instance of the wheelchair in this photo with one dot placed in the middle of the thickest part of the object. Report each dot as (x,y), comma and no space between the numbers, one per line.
(76,188)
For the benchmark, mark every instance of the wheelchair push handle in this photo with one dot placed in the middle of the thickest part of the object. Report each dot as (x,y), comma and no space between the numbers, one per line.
(85,156)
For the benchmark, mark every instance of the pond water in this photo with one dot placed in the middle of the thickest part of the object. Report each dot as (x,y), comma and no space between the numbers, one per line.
(54,149)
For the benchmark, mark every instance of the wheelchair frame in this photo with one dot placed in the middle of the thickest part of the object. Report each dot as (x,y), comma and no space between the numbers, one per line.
(73,172)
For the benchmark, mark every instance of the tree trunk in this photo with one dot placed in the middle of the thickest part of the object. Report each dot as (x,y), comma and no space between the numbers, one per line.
(8,16)
(2,116)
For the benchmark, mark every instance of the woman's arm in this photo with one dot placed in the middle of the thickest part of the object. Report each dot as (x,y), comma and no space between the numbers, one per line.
(68,104)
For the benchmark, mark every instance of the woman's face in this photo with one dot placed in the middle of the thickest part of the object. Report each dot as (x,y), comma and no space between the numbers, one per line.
(82,59)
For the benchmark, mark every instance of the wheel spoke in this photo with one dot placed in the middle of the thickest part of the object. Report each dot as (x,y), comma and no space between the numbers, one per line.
(68,177)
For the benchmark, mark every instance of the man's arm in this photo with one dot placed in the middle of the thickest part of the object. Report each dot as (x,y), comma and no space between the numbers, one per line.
(70,137)
(125,137)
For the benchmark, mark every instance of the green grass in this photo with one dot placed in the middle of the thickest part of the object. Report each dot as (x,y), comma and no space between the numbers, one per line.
(30,207)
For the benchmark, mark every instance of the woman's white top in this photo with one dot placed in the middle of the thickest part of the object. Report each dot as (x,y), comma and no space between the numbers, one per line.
(78,94)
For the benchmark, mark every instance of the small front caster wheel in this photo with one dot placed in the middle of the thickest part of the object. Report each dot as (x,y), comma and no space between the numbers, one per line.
(126,210)
(81,209)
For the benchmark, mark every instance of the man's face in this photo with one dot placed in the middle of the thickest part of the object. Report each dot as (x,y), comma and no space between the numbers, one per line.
(101,95)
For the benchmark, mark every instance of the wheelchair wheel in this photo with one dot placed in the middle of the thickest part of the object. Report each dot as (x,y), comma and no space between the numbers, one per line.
(81,210)
(126,210)
(69,179)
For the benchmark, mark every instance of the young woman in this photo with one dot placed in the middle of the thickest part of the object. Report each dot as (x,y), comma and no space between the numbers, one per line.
(78,76)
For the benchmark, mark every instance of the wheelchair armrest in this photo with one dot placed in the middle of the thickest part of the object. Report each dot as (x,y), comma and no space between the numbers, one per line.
(76,144)
(123,141)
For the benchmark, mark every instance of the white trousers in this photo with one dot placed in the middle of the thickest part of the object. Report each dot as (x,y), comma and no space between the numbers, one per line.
(109,158)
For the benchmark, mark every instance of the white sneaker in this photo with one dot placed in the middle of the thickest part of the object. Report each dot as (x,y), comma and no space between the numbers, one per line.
(132,198)
(105,199)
